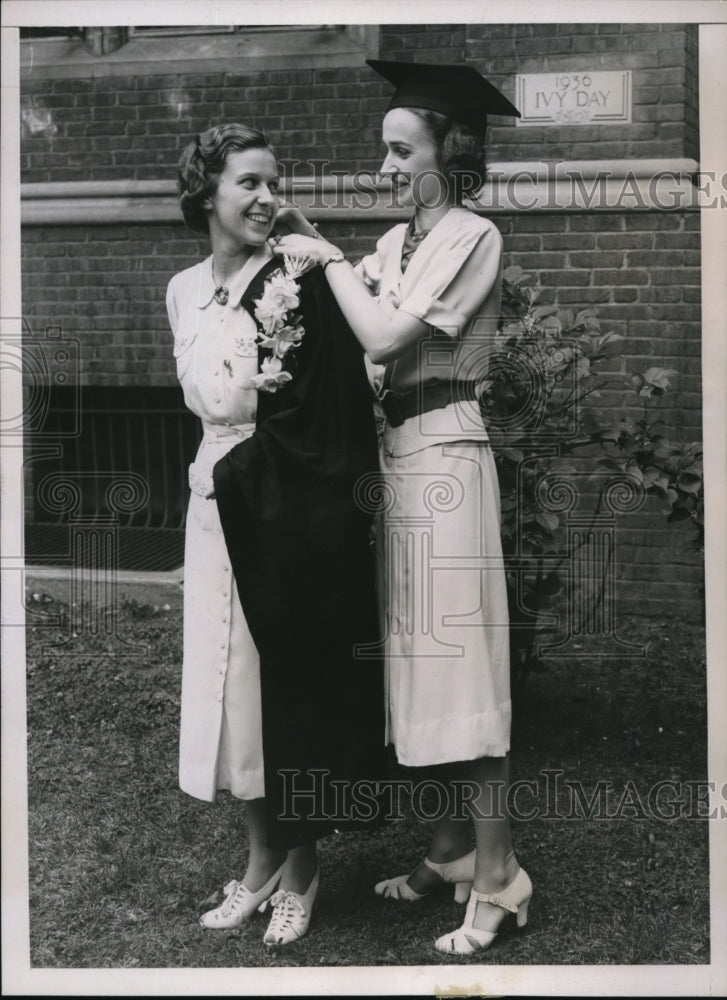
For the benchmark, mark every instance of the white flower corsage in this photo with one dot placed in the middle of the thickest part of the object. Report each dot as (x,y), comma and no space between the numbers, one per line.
(271,375)
(282,331)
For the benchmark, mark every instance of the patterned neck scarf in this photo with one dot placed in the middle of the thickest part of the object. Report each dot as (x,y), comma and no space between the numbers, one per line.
(412,239)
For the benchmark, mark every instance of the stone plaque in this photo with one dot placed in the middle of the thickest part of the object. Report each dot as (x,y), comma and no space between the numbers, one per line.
(574,98)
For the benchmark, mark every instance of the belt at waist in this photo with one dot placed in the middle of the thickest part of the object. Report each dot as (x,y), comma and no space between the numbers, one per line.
(217,440)
(217,432)
(400,406)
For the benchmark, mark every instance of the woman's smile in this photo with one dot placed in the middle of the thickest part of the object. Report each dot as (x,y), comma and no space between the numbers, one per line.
(260,218)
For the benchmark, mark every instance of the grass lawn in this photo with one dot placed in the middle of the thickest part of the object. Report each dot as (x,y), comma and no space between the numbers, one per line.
(122,862)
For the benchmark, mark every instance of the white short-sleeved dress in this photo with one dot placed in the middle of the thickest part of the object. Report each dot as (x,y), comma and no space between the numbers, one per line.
(446,615)
(221,729)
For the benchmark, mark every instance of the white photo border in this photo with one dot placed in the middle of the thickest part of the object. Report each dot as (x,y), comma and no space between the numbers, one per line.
(691,980)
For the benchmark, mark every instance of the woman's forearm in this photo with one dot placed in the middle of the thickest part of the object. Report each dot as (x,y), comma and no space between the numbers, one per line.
(382,334)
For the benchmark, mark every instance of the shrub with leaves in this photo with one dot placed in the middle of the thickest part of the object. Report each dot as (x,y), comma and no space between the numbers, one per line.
(670,469)
(547,369)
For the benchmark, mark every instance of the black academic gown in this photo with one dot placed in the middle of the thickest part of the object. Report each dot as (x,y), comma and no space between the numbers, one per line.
(301,554)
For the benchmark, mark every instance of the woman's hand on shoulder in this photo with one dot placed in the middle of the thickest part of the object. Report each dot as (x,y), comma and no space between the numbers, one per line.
(290,220)
(317,250)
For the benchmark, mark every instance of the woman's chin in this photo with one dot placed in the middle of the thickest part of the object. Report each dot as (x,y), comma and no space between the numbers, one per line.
(258,239)
(256,235)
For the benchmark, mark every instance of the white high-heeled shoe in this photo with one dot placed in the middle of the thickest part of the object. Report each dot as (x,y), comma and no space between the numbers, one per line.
(239,904)
(291,914)
(467,939)
(460,872)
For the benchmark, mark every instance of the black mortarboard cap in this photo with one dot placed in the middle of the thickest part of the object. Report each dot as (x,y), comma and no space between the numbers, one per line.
(459,92)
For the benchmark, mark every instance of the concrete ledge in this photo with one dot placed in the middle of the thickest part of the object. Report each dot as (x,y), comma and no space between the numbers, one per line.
(174,577)
(260,48)
(512,188)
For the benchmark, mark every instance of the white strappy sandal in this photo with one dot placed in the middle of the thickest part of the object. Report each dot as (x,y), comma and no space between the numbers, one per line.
(460,872)
(467,939)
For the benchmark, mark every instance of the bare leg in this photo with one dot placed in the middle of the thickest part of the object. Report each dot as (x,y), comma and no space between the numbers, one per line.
(263,861)
(300,867)
(451,839)
(300,862)
(299,885)
(496,865)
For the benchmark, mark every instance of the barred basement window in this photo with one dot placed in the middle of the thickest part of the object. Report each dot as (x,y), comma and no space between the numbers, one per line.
(126,433)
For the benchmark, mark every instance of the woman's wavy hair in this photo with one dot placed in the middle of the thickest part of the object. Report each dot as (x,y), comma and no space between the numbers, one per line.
(461,150)
(203,161)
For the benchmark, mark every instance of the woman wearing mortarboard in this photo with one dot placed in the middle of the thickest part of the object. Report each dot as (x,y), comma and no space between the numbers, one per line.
(424,306)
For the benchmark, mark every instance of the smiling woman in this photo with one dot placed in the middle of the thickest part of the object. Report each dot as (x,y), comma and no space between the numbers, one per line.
(279,584)
(425,304)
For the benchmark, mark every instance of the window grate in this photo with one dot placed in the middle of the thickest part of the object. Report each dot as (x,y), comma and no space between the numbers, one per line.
(147,433)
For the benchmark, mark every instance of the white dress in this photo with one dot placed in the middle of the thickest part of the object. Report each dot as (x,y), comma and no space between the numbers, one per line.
(446,616)
(221,731)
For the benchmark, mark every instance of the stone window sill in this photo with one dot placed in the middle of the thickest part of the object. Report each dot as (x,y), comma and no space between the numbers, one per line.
(242,51)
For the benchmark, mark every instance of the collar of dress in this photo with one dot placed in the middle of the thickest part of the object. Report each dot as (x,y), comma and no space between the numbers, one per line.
(456,217)
(206,286)
(453,219)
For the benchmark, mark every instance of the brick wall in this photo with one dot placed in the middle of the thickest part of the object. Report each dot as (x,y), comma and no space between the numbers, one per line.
(120,128)
(640,270)
(105,284)
(641,274)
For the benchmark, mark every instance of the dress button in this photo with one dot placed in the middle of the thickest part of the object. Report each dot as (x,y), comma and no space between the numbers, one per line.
(218,399)
(216,372)
(224,619)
